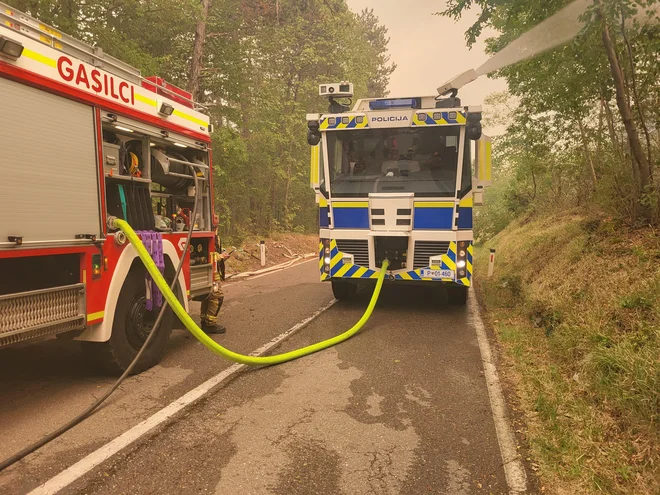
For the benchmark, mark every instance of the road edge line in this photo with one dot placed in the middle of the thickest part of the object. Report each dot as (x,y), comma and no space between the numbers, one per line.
(105,452)
(514,471)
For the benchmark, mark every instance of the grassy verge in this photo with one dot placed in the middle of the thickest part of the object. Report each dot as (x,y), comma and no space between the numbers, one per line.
(575,304)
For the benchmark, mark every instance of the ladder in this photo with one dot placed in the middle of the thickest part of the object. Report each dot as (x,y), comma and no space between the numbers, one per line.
(48,35)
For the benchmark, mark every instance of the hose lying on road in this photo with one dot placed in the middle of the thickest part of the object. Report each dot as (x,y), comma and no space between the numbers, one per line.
(97,403)
(199,334)
(180,311)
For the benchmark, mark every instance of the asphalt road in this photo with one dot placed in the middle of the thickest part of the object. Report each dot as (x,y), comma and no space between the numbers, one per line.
(401,408)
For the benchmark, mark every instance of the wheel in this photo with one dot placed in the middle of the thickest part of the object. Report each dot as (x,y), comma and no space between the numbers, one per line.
(343,291)
(130,328)
(457,296)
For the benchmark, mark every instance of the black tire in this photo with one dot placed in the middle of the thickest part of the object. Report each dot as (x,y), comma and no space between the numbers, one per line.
(130,328)
(457,296)
(343,291)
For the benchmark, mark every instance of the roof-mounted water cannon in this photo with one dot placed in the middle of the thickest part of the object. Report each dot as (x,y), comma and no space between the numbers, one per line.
(448,92)
(333,91)
(453,85)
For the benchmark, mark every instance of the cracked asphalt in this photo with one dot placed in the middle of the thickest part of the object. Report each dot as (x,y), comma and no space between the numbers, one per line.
(402,408)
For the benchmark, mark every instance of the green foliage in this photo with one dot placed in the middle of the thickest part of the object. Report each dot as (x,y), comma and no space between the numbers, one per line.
(579,322)
(566,144)
(261,66)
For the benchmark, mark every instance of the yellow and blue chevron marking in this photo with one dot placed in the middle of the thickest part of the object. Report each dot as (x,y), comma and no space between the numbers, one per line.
(448,263)
(344,122)
(438,118)
(339,269)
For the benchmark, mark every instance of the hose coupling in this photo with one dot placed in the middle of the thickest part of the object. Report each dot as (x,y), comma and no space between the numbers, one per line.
(110,222)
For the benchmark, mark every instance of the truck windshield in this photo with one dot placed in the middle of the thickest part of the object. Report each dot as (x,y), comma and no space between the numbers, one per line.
(423,161)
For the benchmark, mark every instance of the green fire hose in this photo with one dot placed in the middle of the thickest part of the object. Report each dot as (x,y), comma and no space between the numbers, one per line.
(199,334)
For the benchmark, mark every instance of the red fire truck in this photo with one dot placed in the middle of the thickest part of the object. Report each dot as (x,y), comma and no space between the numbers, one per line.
(84,137)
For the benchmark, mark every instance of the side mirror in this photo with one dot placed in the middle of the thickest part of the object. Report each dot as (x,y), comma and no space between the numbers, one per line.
(474,132)
(474,129)
(313,137)
(313,133)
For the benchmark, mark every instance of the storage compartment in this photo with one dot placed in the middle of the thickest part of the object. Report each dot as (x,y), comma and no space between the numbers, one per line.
(110,159)
(38,272)
(149,178)
(49,173)
(130,201)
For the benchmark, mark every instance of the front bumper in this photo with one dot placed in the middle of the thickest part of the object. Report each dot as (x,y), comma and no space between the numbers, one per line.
(339,268)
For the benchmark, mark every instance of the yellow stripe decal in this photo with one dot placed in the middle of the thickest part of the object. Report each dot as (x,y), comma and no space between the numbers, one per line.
(435,204)
(336,260)
(146,100)
(39,57)
(342,271)
(360,272)
(192,119)
(406,276)
(95,316)
(323,203)
(350,204)
(467,202)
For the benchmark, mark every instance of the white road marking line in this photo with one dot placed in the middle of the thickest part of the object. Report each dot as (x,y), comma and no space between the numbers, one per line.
(280,270)
(514,471)
(82,467)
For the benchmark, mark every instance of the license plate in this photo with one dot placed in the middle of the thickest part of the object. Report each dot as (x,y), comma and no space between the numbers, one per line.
(427,273)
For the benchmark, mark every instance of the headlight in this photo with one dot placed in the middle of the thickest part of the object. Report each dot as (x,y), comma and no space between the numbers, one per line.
(327,260)
(461,264)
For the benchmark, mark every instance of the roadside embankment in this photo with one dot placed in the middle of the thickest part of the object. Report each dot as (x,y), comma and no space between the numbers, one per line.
(280,248)
(575,306)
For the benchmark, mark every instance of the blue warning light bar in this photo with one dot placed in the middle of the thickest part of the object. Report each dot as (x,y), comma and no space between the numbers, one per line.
(394,103)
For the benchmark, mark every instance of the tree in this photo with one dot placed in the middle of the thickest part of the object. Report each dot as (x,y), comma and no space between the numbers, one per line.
(573,86)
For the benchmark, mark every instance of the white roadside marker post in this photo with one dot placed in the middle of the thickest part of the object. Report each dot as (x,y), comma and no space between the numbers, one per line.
(262,248)
(491,263)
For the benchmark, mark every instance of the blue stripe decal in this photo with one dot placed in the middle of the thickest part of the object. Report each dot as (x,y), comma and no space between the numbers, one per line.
(336,268)
(469,257)
(334,252)
(432,218)
(351,271)
(451,255)
(414,276)
(465,218)
(351,218)
(323,216)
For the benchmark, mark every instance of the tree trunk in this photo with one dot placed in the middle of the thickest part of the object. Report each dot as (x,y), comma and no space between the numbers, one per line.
(610,126)
(601,129)
(587,151)
(636,149)
(638,101)
(198,51)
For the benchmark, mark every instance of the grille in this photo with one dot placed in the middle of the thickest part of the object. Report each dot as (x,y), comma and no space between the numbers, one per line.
(44,312)
(425,249)
(359,248)
(201,278)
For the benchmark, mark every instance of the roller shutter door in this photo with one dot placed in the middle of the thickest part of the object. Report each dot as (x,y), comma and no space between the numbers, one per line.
(48,167)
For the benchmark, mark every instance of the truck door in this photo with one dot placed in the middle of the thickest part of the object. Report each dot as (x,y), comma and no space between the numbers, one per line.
(49,185)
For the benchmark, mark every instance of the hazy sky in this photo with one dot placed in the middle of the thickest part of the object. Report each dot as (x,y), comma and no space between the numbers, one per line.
(429,50)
